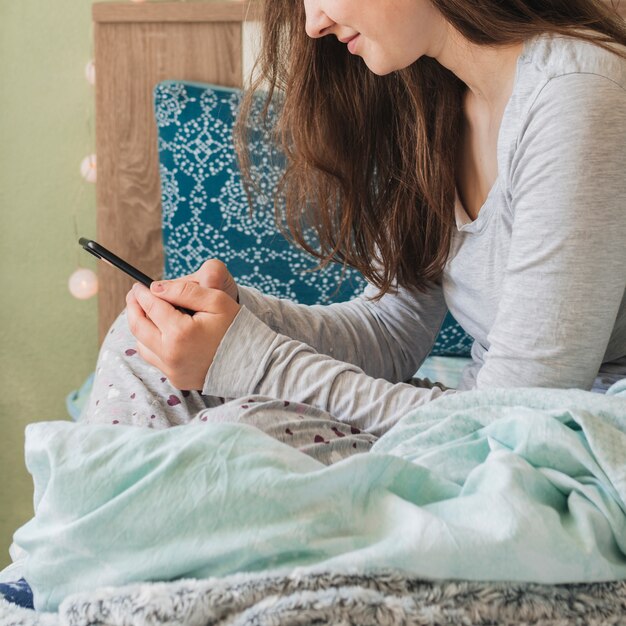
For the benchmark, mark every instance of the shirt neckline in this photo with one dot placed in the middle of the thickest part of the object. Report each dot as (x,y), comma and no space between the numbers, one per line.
(463,221)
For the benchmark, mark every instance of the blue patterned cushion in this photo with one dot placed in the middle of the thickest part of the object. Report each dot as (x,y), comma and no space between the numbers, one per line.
(206,214)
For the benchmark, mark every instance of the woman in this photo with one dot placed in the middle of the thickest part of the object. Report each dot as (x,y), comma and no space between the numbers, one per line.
(459,154)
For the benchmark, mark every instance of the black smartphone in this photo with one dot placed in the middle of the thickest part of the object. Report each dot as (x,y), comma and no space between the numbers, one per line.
(100,252)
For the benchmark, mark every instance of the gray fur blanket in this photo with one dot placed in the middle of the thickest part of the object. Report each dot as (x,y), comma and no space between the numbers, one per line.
(382,599)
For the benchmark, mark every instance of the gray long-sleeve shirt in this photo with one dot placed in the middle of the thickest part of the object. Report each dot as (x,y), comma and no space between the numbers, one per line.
(538,279)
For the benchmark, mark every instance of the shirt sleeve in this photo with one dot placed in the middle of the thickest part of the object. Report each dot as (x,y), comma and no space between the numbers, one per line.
(388,339)
(566,271)
(254,359)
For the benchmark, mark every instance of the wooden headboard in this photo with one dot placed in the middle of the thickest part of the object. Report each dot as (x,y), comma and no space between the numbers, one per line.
(138,45)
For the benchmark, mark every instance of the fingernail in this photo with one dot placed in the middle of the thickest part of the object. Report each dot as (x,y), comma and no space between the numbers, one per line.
(157,287)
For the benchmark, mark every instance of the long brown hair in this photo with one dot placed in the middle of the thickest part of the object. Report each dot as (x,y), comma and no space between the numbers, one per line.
(370,160)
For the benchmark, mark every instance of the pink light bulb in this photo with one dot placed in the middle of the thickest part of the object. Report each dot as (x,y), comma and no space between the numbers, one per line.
(83,284)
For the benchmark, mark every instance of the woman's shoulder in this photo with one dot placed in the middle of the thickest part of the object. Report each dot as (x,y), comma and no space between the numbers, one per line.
(555,55)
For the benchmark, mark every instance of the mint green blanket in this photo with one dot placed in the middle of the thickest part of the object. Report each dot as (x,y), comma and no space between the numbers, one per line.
(523,485)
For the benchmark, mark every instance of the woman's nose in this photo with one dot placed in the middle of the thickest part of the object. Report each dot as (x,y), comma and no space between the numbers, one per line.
(317,22)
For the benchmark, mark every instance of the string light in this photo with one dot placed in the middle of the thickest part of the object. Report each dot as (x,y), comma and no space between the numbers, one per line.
(90,72)
(83,283)
(88,168)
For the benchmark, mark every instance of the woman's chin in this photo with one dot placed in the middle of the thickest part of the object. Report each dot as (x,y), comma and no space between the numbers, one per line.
(382,68)
(378,68)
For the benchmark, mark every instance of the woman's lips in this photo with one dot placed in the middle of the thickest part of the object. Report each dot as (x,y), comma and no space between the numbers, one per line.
(352,44)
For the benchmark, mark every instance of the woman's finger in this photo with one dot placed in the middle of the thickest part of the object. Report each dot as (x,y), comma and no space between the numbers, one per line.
(141,326)
(162,313)
(212,274)
(192,295)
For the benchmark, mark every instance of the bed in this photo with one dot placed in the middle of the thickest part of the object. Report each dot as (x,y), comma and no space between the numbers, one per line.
(176,69)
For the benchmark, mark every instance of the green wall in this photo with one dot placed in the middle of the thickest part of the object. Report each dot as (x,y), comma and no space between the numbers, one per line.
(48,339)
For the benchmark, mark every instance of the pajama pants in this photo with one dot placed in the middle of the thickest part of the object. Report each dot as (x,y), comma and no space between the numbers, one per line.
(127,390)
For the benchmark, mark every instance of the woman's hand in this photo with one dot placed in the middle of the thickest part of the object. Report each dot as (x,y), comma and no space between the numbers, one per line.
(213,274)
(180,345)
